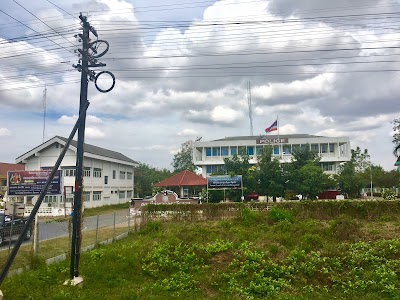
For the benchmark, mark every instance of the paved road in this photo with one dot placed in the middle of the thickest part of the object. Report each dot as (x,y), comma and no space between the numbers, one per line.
(53,229)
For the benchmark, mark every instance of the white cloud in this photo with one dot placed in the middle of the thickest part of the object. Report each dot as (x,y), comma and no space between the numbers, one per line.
(4,132)
(188,132)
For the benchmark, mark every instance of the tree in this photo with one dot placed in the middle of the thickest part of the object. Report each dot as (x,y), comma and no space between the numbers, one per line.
(270,174)
(146,176)
(312,180)
(302,156)
(349,180)
(361,159)
(396,137)
(240,165)
(183,160)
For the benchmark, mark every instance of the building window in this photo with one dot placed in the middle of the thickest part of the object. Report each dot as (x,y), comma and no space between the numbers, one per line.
(105,179)
(295,147)
(242,150)
(69,172)
(331,148)
(250,150)
(208,151)
(315,148)
(50,199)
(129,175)
(121,194)
(276,150)
(259,150)
(216,151)
(114,174)
(122,175)
(86,196)
(286,149)
(216,169)
(96,196)
(324,148)
(86,171)
(224,151)
(97,172)
(234,151)
(328,166)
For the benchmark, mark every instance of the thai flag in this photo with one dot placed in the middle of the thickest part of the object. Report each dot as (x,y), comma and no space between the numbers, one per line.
(273,127)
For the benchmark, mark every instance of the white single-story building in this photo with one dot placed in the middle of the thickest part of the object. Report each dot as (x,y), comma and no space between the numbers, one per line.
(209,155)
(108,175)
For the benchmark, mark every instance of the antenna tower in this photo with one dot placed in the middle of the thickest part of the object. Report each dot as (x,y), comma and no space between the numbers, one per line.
(250,108)
(44,110)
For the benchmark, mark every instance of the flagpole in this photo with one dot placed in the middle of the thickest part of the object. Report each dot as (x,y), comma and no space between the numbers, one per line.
(279,139)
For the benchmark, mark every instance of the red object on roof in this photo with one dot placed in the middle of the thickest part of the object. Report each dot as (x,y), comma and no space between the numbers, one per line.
(184,178)
(5,167)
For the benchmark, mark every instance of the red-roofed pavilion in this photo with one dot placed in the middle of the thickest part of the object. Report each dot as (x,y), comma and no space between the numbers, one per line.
(189,183)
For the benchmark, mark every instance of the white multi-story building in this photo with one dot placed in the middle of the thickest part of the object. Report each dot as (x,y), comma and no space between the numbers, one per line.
(108,176)
(209,156)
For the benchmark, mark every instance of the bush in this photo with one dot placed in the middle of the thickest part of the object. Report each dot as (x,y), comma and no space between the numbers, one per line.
(388,195)
(277,215)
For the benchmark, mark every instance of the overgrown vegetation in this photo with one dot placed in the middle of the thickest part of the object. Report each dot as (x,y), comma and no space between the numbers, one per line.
(310,250)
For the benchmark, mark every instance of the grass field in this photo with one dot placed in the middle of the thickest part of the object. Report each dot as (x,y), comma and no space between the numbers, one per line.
(275,254)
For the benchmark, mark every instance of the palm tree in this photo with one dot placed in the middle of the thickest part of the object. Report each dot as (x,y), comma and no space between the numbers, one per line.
(396,137)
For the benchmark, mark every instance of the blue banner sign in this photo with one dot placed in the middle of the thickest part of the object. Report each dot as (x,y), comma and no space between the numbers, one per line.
(22,183)
(224,182)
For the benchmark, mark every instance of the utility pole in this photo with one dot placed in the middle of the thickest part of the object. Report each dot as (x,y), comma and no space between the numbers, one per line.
(89,54)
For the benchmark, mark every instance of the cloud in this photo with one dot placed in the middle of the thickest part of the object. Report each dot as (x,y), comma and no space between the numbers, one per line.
(4,132)
(188,132)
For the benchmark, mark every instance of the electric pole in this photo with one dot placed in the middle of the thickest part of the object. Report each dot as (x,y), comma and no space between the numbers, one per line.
(89,54)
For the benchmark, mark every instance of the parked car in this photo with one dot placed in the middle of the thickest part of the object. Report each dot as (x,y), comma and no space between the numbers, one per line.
(12,227)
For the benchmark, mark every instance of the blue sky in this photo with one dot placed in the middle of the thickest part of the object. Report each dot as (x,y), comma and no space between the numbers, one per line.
(182,69)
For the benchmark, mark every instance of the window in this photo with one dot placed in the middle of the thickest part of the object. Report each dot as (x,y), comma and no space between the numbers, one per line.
(114,174)
(314,148)
(286,149)
(122,175)
(234,151)
(50,199)
(86,196)
(242,150)
(86,171)
(331,148)
(216,151)
(129,194)
(295,147)
(218,169)
(276,150)
(69,172)
(121,194)
(129,175)
(96,195)
(324,148)
(208,151)
(105,179)
(259,150)
(250,150)
(328,166)
(224,151)
(97,172)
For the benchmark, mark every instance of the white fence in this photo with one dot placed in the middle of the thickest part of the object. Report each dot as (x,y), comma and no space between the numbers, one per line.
(49,211)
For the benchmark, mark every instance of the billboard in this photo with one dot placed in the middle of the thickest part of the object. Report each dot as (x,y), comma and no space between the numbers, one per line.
(21,183)
(224,182)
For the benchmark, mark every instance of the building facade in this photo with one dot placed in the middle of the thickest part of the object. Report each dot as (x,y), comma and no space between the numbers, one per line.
(209,156)
(4,169)
(108,176)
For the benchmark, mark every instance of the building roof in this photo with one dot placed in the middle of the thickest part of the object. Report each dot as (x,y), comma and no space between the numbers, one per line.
(5,167)
(87,149)
(184,178)
(271,136)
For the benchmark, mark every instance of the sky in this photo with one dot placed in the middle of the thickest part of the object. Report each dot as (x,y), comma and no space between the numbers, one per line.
(188,69)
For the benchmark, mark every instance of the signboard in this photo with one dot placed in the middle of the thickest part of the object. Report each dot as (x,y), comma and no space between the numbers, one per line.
(21,183)
(272,141)
(224,182)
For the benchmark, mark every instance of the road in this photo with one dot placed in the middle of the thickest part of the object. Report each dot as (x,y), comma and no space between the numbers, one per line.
(53,229)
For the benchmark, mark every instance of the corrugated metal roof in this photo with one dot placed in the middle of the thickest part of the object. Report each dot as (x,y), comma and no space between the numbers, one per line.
(100,151)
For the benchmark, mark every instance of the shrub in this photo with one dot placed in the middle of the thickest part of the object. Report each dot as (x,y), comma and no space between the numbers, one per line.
(278,215)
(388,195)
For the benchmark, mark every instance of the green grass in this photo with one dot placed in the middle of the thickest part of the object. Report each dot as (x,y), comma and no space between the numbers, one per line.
(257,255)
